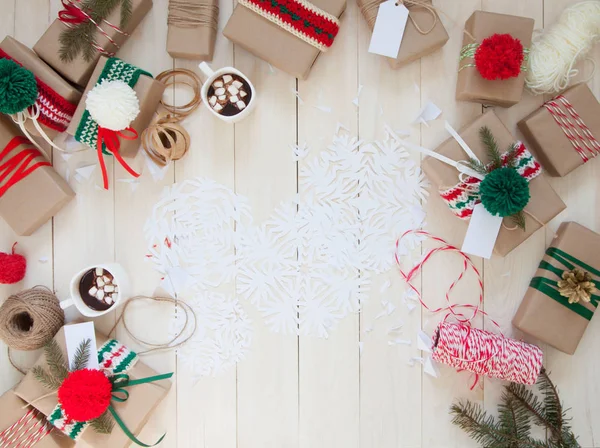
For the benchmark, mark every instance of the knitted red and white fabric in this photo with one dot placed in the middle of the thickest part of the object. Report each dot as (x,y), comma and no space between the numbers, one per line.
(55,111)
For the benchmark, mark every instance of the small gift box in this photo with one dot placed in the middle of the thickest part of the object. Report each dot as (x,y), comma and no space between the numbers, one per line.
(118,105)
(69,390)
(461,196)
(31,191)
(424,32)
(288,34)
(73,43)
(56,99)
(493,58)
(563,295)
(192,29)
(25,426)
(563,131)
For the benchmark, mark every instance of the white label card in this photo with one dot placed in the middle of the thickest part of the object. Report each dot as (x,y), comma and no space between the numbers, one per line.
(389,29)
(482,233)
(77,333)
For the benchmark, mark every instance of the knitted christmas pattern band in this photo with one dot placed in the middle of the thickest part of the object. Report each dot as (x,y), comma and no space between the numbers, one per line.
(55,111)
(462,198)
(573,127)
(299,17)
(17,167)
(115,69)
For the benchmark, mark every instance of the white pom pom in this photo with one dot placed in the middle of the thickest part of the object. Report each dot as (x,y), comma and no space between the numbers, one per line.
(112,104)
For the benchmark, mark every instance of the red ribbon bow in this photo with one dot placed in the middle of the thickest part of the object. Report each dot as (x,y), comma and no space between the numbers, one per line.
(112,143)
(72,13)
(18,167)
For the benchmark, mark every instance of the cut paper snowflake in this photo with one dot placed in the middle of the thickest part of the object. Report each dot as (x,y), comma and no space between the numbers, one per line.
(223,334)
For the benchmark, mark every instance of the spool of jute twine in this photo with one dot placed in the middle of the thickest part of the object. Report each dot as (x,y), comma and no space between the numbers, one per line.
(193,14)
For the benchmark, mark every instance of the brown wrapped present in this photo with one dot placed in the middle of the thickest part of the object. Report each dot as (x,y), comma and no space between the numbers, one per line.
(133,412)
(563,131)
(249,28)
(107,37)
(543,205)
(31,191)
(26,426)
(192,29)
(563,295)
(500,80)
(54,93)
(424,32)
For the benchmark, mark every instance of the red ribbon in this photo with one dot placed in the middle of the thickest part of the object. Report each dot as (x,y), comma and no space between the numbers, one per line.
(112,143)
(17,168)
(72,14)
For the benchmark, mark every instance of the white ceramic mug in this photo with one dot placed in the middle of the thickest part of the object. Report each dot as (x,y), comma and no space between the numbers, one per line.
(211,76)
(121,279)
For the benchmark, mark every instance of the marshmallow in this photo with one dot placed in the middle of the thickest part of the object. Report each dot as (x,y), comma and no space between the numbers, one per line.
(218,107)
(99,272)
(212,100)
(109,299)
(218,83)
(100,282)
(240,105)
(220,91)
(237,83)
(100,295)
(223,98)
(233,90)
(227,79)
(233,99)
(109,288)
(93,290)
(106,279)
(242,93)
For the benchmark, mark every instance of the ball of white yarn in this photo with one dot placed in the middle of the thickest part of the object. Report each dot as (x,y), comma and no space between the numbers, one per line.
(112,104)
(555,52)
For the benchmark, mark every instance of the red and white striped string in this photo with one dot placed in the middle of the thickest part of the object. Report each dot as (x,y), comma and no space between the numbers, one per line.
(26,432)
(463,347)
(574,127)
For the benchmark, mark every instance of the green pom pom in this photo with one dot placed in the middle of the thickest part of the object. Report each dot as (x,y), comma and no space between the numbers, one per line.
(18,88)
(504,192)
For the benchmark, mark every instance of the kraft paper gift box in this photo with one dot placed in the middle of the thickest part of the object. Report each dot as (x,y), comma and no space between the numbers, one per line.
(544,203)
(55,91)
(471,86)
(564,131)
(544,312)
(149,92)
(189,40)
(134,412)
(272,43)
(21,424)
(415,44)
(80,69)
(26,203)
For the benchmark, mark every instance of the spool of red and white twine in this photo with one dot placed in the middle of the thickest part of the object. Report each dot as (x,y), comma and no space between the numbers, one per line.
(27,431)
(463,347)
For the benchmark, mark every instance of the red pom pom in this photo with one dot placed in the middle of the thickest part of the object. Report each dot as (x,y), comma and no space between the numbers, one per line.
(12,267)
(85,394)
(499,57)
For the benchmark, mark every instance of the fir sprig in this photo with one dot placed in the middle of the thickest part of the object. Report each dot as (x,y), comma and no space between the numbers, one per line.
(48,380)
(126,10)
(491,146)
(82,355)
(56,361)
(103,424)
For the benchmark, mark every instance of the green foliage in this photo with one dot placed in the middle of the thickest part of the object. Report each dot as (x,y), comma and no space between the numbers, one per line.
(45,378)
(82,355)
(518,219)
(126,10)
(103,424)
(519,409)
(55,360)
(18,87)
(491,146)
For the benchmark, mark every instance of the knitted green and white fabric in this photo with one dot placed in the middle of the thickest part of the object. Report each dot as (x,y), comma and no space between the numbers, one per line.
(70,427)
(115,69)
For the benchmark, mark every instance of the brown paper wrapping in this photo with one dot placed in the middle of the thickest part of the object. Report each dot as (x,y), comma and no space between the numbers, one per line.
(79,71)
(270,42)
(135,412)
(194,42)
(543,317)
(550,144)
(44,72)
(30,203)
(13,408)
(544,204)
(414,44)
(470,85)
(149,92)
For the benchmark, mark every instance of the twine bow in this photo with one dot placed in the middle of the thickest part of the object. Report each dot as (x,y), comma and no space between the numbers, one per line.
(420,4)
(109,139)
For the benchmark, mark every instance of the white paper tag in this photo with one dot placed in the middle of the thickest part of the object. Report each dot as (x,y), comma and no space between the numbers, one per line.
(482,233)
(74,336)
(389,29)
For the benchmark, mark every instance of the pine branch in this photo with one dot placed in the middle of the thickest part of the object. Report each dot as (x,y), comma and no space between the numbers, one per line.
(492,147)
(513,419)
(103,424)
(562,436)
(55,360)
(480,426)
(46,378)
(511,155)
(518,219)
(476,165)
(82,355)
(126,10)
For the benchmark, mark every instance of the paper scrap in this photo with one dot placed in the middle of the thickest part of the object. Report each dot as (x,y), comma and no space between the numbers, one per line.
(396,328)
(133,183)
(424,342)
(271,69)
(300,151)
(324,109)
(430,368)
(361,345)
(77,333)
(355,100)
(339,126)
(428,113)
(400,342)
(85,172)
(388,29)
(66,156)
(413,360)
(300,100)
(43,260)
(157,172)
(416,87)
(482,233)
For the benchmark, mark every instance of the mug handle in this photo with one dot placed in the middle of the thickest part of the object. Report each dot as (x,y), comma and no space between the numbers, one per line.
(67,303)
(205,68)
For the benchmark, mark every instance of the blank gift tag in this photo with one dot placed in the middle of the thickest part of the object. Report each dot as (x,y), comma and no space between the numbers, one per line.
(77,333)
(482,233)
(389,29)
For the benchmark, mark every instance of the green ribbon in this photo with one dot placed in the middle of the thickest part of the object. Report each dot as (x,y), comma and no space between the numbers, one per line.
(550,287)
(120,382)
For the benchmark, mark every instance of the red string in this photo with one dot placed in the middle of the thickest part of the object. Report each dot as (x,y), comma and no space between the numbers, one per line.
(17,167)
(111,142)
